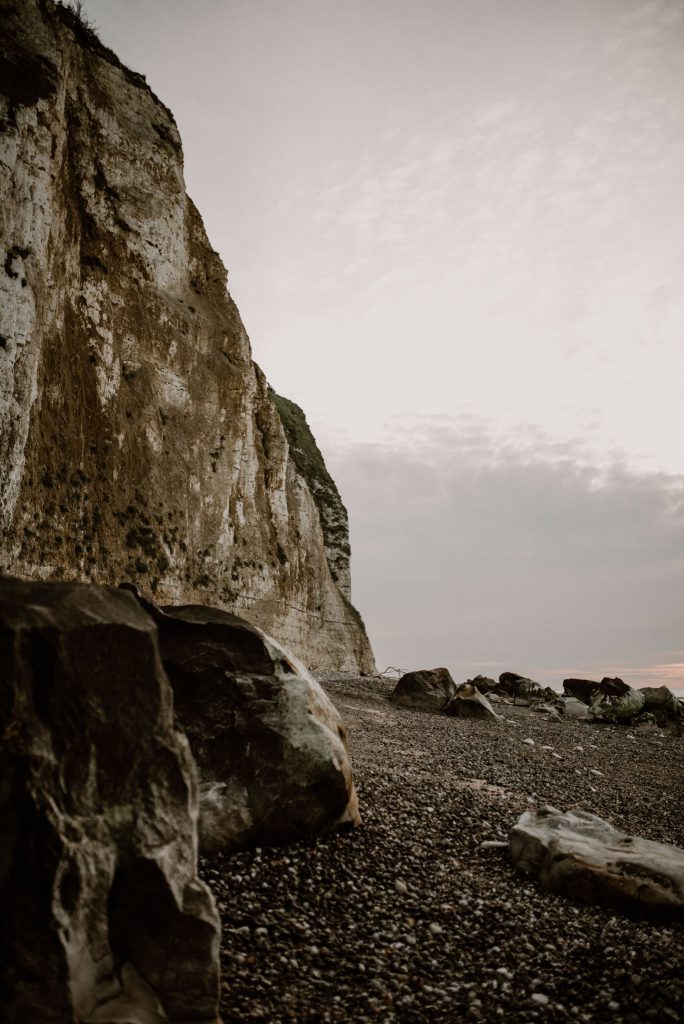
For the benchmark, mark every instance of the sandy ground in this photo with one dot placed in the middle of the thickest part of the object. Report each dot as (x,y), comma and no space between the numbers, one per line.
(407,919)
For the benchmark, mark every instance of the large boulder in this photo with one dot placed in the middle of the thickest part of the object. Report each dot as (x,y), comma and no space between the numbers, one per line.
(662,704)
(425,690)
(614,701)
(580,689)
(102,915)
(468,702)
(581,856)
(270,746)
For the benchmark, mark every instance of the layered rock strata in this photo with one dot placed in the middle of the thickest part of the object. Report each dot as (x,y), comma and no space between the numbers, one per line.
(102,915)
(138,440)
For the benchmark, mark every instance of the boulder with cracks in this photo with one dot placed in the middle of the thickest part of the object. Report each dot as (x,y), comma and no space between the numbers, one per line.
(579,855)
(102,915)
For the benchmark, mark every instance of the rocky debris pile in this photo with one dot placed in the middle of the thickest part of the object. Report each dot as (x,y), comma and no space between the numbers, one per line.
(424,690)
(414,918)
(468,702)
(578,854)
(611,700)
(270,747)
(102,914)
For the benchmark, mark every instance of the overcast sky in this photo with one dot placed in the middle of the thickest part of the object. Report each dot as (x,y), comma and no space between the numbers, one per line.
(455,232)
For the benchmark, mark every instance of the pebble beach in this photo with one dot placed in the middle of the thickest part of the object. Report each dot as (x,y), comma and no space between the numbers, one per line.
(418,915)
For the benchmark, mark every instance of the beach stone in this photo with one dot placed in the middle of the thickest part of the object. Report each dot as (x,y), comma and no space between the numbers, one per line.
(544,708)
(102,914)
(615,701)
(575,708)
(270,746)
(468,702)
(580,689)
(522,689)
(579,855)
(424,690)
(662,704)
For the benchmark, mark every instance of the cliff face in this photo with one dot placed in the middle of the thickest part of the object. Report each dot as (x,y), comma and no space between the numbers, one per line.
(308,459)
(138,440)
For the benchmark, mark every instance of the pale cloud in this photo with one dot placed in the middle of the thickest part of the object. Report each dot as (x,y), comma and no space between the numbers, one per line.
(481,552)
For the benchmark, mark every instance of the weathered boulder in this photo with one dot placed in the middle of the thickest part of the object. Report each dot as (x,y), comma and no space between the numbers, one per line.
(468,702)
(522,689)
(270,746)
(580,689)
(662,704)
(581,856)
(102,915)
(614,701)
(427,689)
(508,679)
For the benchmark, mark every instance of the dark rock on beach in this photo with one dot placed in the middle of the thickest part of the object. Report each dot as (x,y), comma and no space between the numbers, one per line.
(468,702)
(425,690)
(270,747)
(580,689)
(102,915)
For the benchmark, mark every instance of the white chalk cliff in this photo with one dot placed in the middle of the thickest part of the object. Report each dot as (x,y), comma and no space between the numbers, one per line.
(138,439)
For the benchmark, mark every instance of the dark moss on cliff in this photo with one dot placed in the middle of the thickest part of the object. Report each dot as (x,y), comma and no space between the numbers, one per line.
(311,466)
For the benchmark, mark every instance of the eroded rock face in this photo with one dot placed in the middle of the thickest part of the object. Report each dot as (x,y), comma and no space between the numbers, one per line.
(615,701)
(270,747)
(138,440)
(425,690)
(102,915)
(579,855)
(468,702)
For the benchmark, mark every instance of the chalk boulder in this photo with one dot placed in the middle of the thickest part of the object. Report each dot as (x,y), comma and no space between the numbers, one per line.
(270,746)
(580,855)
(102,915)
